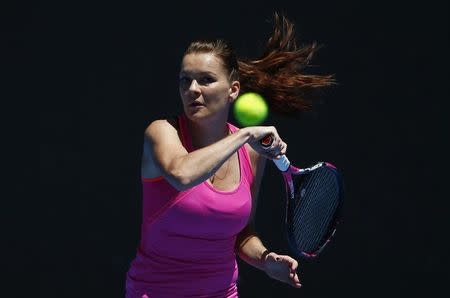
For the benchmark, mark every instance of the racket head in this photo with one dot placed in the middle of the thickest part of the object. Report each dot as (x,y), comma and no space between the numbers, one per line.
(313,208)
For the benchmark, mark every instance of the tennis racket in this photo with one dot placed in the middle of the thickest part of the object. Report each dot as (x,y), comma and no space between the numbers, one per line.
(313,204)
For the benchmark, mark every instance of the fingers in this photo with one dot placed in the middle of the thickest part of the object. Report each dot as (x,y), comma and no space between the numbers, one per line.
(283,149)
(272,131)
(277,149)
(295,281)
(285,271)
(292,265)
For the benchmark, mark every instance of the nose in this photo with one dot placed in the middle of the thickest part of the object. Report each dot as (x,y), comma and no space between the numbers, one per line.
(194,87)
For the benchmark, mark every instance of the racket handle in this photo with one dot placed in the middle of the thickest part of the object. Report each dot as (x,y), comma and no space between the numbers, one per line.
(283,163)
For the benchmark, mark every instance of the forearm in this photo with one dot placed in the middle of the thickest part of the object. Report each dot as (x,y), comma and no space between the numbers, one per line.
(199,165)
(250,248)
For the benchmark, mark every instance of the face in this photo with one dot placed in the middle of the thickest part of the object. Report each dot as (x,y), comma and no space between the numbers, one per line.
(204,85)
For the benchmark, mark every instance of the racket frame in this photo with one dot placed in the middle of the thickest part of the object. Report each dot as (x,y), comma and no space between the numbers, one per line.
(290,192)
(288,170)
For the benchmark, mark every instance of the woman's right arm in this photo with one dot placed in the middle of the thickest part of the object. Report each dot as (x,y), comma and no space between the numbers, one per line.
(165,153)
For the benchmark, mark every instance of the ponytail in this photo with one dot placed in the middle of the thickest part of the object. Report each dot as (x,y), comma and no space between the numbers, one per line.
(278,75)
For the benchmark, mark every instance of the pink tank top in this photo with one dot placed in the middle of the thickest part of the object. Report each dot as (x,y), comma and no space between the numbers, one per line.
(188,237)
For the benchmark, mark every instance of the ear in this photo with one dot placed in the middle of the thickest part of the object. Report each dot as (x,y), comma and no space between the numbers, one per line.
(234,90)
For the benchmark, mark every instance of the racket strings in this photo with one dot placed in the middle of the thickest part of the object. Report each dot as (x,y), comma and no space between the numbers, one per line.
(309,230)
(315,203)
(312,230)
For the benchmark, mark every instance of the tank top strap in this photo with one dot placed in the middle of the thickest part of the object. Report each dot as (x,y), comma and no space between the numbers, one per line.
(184,131)
(244,158)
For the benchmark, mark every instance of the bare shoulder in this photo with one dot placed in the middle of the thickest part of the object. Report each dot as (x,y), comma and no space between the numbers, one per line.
(161,127)
(161,144)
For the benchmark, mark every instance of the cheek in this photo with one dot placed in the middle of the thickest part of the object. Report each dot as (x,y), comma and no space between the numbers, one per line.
(216,100)
(218,94)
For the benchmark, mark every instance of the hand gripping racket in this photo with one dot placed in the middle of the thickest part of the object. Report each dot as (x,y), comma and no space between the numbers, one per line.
(313,204)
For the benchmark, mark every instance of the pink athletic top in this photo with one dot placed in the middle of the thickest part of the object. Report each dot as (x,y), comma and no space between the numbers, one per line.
(188,237)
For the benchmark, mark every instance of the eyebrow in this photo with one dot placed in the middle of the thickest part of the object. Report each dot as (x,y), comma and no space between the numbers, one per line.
(183,72)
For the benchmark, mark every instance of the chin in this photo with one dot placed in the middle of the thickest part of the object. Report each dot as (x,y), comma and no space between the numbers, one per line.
(202,114)
(197,114)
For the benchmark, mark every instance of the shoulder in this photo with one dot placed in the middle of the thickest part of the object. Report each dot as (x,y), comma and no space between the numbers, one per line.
(161,143)
(161,127)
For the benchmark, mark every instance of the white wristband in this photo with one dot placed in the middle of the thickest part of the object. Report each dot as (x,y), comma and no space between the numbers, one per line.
(282,163)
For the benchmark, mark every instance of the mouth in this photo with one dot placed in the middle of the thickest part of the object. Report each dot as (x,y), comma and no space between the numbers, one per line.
(196,104)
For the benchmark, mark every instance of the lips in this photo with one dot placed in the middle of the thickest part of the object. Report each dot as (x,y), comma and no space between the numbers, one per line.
(196,104)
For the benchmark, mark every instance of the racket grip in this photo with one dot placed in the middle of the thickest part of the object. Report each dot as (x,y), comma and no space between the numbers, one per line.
(283,163)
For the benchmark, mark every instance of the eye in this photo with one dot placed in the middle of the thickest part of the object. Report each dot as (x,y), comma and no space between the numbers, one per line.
(206,80)
(185,81)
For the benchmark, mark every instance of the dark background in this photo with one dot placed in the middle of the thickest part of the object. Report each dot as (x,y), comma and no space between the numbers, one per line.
(99,73)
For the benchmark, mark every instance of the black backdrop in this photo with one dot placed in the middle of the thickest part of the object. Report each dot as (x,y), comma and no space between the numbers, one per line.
(104,71)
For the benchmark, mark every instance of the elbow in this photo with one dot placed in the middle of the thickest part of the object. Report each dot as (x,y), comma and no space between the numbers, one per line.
(180,178)
(182,183)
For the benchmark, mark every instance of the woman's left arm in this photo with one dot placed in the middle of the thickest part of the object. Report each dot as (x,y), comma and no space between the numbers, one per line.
(249,246)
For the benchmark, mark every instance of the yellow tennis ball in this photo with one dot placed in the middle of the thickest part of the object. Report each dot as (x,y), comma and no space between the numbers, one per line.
(250,109)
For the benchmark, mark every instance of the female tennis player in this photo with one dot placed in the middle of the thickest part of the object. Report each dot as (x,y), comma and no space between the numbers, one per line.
(201,175)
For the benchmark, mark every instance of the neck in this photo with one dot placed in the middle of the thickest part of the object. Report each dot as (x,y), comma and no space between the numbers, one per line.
(208,132)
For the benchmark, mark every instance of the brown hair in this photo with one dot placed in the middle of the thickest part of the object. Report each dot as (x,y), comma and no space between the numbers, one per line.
(278,75)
